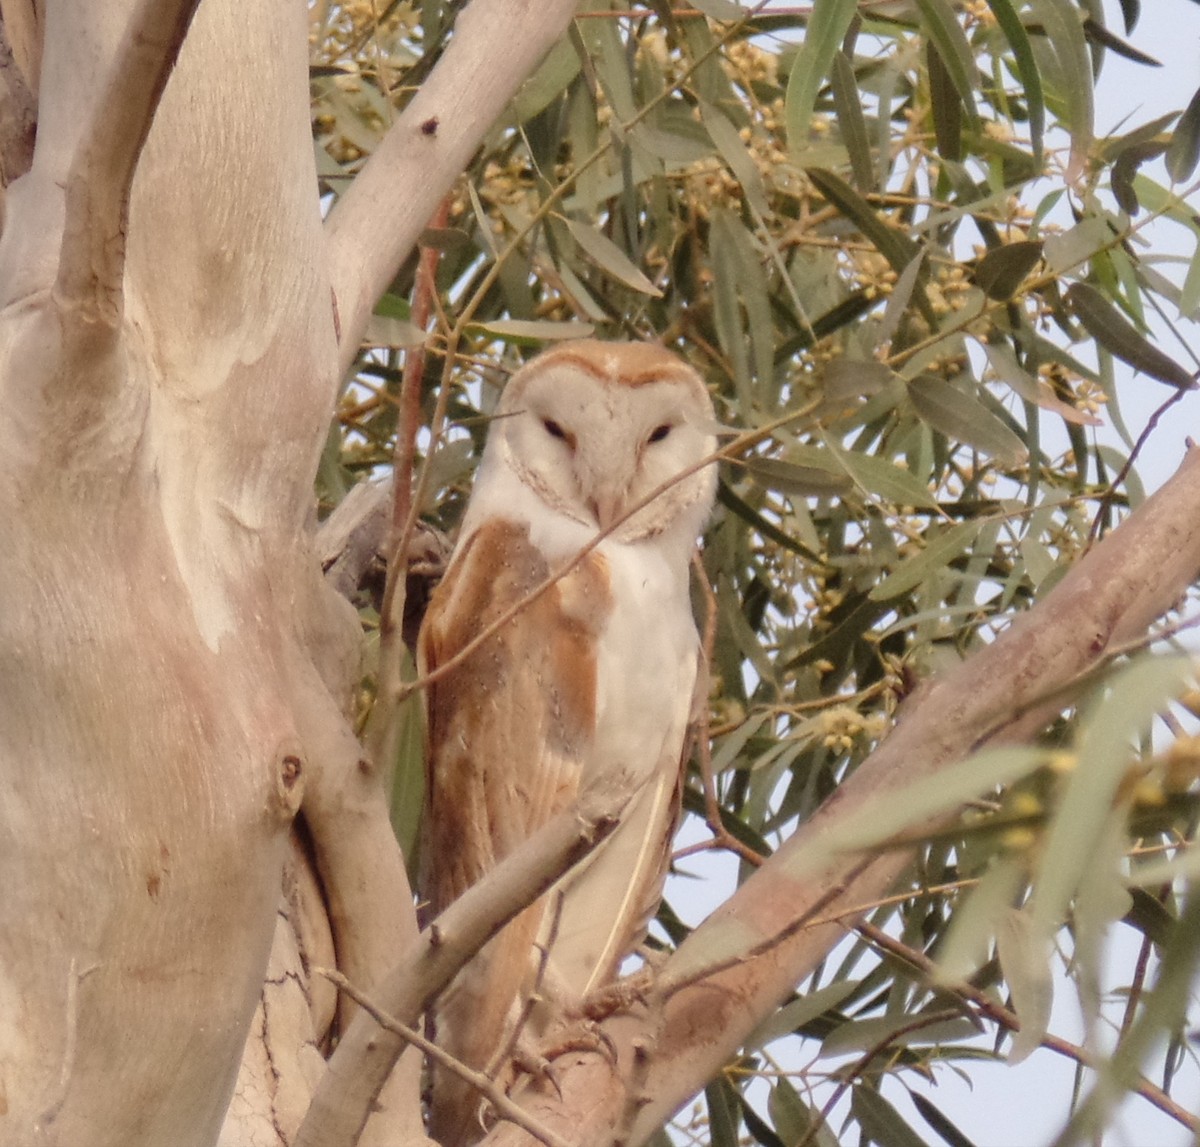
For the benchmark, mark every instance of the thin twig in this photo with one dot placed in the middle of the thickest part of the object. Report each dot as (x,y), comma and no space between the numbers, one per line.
(1006,1018)
(1123,473)
(721,836)
(504,1106)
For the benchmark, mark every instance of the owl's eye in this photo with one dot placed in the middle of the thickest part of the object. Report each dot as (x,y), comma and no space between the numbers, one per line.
(659,433)
(553,429)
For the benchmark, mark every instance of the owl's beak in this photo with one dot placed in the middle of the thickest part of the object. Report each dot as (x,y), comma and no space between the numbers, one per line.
(607,507)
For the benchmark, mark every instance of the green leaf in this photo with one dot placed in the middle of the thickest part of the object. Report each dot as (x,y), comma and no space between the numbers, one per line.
(721,10)
(1117,336)
(896,247)
(383,330)
(1097,33)
(936,555)
(847,378)
(976,921)
(793,1118)
(1119,712)
(1078,244)
(551,79)
(1006,368)
(898,301)
(941,24)
(1024,954)
(610,258)
(847,103)
(888,813)
(958,414)
(722,1114)
(1031,80)
(827,27)
(800,1012)
(880,1121)
(952,1136)
(885,480)
(1184,151)
(1003,269)
(795,478)
(526,332)
(733,152)
(945,105)
(1063,25)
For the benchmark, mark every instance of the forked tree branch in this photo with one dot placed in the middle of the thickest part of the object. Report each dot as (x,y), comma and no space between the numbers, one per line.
(364,1058)
(766,940)
(374,226)
(89,289)
(89,286)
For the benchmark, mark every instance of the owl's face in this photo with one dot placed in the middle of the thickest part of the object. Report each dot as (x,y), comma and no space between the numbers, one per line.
(593,428)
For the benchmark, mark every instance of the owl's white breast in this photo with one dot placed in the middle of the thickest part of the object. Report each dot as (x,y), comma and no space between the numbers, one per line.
(646,659)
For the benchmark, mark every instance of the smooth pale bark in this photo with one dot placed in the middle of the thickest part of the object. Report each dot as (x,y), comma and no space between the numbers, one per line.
(175,669)
(153,500)
(496,45)
(668,1048)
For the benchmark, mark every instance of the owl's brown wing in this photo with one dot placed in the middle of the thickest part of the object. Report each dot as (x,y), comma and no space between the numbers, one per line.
(508,733)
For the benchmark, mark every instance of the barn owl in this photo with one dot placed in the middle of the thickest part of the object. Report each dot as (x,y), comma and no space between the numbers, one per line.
(590,684)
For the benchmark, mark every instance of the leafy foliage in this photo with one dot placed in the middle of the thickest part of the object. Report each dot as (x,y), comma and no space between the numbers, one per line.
(916,279)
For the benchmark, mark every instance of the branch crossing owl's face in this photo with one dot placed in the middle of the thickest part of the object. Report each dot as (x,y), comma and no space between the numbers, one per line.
(594,428)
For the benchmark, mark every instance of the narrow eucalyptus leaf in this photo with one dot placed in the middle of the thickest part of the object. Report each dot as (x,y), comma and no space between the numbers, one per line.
(1024,952)
(737,158)
(847,378)
(847,102)
(721,10)
(1184,151)
(934,558)
(1063,23)
(1118,336)
(945,105)
(1003,269)
(950,1133)
(827,26)
(535,331)
(610,258)
(899,299)
(1031,79)
(941,23)
(1097,33)
(886,480)
(958,414)
(1118,712)
(882,1123)
(791,478)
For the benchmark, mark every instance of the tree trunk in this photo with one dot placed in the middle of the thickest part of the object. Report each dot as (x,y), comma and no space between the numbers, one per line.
(175,670)
(158,600)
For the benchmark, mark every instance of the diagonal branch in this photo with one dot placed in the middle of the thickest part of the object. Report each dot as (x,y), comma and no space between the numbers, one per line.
(767,938)
(365,1056)
(374,226)
(89,290)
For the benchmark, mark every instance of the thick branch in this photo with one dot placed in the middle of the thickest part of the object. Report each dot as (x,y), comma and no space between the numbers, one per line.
(374,226)
(1136,575)
(18,113)
(365,1056)
(89,287)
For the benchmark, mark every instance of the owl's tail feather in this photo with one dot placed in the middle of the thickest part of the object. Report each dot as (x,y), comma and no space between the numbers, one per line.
(475,1021)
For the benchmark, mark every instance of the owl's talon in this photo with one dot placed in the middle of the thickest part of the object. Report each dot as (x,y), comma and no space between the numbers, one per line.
(538,1066)
(618,997)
